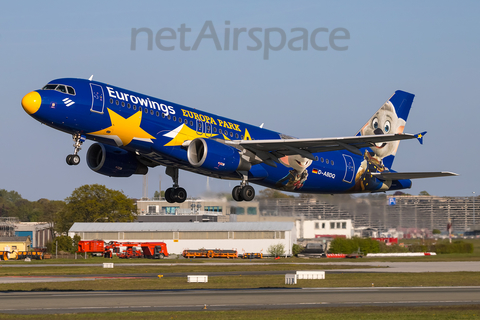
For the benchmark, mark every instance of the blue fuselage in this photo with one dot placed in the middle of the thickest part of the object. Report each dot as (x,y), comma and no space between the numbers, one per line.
(103,113)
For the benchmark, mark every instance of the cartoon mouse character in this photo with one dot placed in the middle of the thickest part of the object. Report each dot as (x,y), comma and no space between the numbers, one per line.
(295,177)
(384,121)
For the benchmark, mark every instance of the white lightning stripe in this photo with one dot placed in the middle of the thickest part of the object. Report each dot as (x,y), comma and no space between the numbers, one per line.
(70,103)
(172,134)
(143,139)
(65,99)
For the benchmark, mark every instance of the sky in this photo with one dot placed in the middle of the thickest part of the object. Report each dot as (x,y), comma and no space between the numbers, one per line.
(428,48)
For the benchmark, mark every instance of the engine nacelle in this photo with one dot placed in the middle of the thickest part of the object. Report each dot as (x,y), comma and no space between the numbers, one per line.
(113,161)
(215,156)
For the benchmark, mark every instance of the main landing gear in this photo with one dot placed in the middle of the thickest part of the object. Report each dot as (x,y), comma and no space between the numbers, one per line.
(74,159)
(174,194)
(243,192)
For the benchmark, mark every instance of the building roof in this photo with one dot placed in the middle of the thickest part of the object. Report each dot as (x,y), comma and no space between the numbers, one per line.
(179,226)
(14,239)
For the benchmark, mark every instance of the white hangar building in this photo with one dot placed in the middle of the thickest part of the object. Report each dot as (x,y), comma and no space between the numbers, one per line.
(240,236)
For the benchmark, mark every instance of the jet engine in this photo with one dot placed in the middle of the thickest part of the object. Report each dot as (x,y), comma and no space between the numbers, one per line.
(113,161)
(215,156)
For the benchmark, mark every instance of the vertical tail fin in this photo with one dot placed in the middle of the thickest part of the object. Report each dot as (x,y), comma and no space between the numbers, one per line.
(390,118)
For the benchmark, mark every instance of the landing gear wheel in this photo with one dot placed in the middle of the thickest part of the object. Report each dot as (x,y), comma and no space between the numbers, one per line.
(237,193)
(248,193)
(75,159)
(169,195)
(180,195)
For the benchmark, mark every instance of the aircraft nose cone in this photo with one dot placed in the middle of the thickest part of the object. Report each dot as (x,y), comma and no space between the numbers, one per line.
(31,102)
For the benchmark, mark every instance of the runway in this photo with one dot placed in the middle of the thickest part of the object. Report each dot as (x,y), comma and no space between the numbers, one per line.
(241,299)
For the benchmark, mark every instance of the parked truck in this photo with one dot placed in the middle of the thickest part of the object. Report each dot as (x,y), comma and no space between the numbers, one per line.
(126,250)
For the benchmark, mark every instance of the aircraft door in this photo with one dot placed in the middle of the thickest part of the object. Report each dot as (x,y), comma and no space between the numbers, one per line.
(200,126)
(349,168)
(208,129)
(98,99)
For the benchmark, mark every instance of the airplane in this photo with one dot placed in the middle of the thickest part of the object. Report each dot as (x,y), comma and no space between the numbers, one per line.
(134,132)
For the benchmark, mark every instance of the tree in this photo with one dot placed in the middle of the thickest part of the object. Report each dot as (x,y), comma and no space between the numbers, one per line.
(159,195)
(436,231)
(296,249)
(276,250)
(268,193)
(424,193)
(94,203)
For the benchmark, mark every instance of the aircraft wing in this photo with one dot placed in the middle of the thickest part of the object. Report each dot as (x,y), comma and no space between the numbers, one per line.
(410,175)
(269,151)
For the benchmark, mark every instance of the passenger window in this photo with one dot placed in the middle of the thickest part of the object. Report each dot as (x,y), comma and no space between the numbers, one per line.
(231,134)
(174,118)
(117,102)
(140,109)
(157,114)
(236,135)
(169,117)
(71,90)
(179,119)
(186,121)
(163,115)
(111,101)
(215,129)
(191,123)
(128,105)
(152,112)
(123,104)
(134,107)
(61,88)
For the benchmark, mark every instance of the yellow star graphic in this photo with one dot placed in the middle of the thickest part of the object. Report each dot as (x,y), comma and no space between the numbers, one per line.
(183,133)
(124,130)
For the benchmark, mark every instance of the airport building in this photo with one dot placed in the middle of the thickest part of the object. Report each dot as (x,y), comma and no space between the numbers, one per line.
(241,236)
(38,232)
(315,229)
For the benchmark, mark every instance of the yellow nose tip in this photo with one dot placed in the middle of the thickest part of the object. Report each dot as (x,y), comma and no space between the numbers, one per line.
(31,102)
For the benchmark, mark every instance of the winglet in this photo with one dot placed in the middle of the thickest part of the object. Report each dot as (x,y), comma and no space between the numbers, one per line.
(91,77)
(419,136)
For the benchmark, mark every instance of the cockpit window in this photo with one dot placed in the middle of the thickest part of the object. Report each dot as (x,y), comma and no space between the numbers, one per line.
(49,87)
(60,87)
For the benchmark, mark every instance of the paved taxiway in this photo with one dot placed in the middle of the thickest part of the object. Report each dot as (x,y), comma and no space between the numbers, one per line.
(101,301)
(363,266)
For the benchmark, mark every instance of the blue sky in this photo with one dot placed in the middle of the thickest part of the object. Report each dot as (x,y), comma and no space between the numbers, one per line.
(428,48)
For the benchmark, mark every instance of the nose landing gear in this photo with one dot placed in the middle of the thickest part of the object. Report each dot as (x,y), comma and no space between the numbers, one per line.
(174,194)
(74,159)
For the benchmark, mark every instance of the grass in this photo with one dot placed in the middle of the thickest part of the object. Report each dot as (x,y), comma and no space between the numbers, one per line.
(161,269)
(347,313)
(258,281)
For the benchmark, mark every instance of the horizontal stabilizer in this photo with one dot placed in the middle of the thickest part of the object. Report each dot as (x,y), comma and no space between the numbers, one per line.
(419,136)
(410,175)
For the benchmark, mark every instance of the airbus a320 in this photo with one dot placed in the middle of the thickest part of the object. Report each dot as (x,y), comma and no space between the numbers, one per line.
(134,132)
